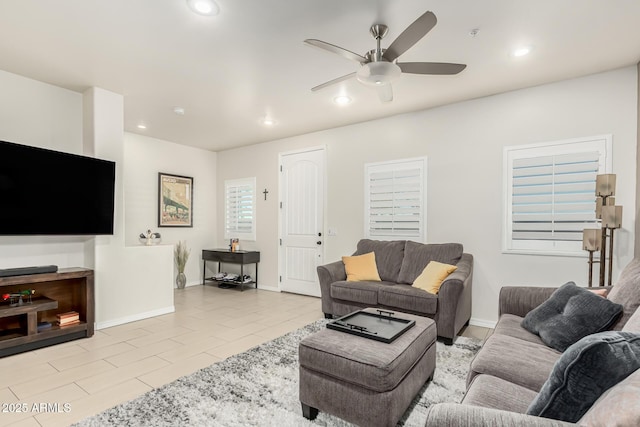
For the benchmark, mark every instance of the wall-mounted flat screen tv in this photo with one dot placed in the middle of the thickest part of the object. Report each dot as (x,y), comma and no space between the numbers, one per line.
(45,192)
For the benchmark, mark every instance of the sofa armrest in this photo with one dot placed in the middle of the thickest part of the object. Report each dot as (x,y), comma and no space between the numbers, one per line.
(454,298)
(464,270)
(520,300)
(327,274)
(459,415)
(333,272)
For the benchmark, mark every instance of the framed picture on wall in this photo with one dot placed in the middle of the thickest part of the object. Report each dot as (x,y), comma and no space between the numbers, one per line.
(175,200)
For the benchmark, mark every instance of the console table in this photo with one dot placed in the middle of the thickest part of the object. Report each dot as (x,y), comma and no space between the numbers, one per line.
(237,257)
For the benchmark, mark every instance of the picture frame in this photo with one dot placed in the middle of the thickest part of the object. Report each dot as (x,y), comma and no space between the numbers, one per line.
(175,200)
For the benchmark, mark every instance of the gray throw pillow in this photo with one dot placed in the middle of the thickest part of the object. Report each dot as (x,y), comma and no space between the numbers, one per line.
(584,372)
(570,314)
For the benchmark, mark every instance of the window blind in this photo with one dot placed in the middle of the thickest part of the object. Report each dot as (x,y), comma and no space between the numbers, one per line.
(240,209)
(395,200)
(553,197)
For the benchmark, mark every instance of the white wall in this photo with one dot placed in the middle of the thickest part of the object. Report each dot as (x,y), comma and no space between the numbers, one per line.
(41,115)
(637,245)
(145,157)
(132,283)
(38,114)
(464,144)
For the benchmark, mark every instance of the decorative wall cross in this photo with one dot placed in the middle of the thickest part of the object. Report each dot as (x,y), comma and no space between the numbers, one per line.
(265,192)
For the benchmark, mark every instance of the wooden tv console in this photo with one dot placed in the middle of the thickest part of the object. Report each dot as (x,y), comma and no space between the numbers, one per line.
(70,289)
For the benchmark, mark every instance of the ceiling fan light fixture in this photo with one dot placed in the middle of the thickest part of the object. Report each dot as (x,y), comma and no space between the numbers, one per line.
(378,73)
(204,7)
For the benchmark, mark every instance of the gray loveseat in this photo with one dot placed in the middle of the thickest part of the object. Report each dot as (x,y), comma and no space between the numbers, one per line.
(399,263)
(509,371)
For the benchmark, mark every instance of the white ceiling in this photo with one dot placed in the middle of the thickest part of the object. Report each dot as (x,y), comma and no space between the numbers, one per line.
(229,71)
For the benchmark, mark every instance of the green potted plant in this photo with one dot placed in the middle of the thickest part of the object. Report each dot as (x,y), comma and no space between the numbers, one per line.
(181,256)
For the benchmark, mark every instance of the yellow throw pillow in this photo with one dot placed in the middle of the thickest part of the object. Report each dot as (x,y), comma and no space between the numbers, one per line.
(361,267)
(433,275)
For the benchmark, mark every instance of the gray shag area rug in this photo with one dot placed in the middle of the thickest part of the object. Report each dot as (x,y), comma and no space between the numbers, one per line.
(260,388)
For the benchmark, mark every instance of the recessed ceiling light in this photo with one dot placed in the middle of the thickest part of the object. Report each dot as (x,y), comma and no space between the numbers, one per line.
(521,51)
(204,7)
(179,111)
(267,121)
(342,100)
(142,126)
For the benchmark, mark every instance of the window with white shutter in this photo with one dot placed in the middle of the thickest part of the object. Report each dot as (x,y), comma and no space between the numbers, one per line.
(550,194)
(240,209)
(395,200)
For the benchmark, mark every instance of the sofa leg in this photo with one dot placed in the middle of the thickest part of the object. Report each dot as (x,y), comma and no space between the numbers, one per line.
(328,316)
(447,341)
(309,412)
(467,324)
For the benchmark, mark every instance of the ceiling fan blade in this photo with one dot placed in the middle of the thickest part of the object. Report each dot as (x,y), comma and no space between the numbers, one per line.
(336,49)
(334,81)
(385,93)
(410,36)
(439,68)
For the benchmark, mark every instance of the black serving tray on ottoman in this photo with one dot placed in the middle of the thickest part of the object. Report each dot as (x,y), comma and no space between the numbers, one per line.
(381,326)
(366,381)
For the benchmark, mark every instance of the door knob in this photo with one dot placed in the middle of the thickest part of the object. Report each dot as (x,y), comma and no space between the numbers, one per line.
(319,242)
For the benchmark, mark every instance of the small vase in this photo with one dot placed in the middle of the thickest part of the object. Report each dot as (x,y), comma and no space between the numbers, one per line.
(181,280)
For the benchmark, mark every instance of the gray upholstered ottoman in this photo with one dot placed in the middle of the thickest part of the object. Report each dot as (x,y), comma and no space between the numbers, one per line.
(363,381)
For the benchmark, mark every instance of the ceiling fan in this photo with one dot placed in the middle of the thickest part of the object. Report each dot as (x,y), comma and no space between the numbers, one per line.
(379,67)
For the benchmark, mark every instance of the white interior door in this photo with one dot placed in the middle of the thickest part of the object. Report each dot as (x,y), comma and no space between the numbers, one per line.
(302,220)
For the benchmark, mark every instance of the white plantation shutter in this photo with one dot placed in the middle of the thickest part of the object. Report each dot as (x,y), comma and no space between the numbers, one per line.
(551,194)
(395,202)
(240,201)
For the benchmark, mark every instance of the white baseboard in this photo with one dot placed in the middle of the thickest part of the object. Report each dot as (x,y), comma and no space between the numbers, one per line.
(195,283)
(269,288)
(482,323)
(135,317)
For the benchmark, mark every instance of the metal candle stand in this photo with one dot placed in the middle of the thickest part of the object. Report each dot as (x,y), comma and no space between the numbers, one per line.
(610,217)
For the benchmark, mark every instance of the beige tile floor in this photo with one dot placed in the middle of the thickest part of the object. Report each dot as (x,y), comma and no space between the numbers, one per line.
(62,384)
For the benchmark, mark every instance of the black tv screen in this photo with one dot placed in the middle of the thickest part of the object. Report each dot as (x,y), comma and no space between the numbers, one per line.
(45,192)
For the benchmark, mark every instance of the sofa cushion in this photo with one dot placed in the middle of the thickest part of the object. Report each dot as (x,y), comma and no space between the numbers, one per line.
(418,255)
(585,371)
(627,292)
(432,276)
(455,415)
(359,292)
(617,407)
(510,325)
(361,267)
(570,314)
(493,392)
(514,360)
(405,297)
(389,256)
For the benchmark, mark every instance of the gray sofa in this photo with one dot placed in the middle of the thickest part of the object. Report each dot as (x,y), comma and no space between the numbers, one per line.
(399,263)
(509,371)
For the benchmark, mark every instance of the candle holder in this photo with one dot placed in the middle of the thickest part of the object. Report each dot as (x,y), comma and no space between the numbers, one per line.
(610,217)
(591,242)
